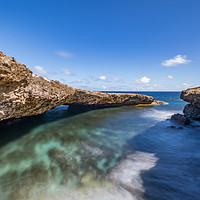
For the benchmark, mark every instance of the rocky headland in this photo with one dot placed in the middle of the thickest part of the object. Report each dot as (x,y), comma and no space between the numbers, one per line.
(191,110)
(23,93)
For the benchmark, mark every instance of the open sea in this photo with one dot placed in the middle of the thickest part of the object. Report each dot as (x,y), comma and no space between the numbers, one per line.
(122,153)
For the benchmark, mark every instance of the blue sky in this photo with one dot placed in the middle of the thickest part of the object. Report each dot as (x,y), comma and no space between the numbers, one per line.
(121,45)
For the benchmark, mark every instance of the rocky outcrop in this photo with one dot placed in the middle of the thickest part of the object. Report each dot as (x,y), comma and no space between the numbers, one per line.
(24,94)
(192,96)
(180,119)
(192,111)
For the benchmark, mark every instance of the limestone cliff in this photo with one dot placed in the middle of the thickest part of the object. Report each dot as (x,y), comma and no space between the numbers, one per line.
(192,96)
(24,94)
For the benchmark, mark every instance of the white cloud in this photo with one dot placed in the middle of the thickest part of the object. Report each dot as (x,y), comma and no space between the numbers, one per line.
(116,78)
(177,60)
(68,73)
(40,70)
(64,54)
(183,86)
(186,85)
(167,77)
(104,87)
(143,80)
(170,77)
(103,78)
(100,78)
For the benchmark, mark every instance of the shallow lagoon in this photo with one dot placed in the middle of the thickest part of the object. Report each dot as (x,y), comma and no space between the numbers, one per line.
(113,153)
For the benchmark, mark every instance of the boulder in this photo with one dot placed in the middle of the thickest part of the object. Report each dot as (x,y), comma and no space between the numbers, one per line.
(175,127)
(192,111)
(180,119)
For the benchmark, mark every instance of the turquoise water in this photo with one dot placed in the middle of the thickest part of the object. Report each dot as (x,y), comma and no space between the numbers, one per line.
(108,154)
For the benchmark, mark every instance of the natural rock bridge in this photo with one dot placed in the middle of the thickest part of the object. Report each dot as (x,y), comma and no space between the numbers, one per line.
(24,94)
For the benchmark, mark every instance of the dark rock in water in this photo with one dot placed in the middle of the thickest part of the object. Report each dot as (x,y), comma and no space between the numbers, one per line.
(192,111)
(175,127)
(181,119)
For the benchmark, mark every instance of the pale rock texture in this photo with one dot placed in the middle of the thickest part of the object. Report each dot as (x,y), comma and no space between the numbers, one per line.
(24,94)
(192,96)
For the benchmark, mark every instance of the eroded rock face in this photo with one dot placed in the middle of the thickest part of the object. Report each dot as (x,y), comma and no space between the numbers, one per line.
(192,111)
(24,94)
(180,119)
(192,96)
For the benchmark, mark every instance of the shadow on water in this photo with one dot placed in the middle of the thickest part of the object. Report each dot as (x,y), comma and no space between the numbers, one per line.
(13,129)
(176,176)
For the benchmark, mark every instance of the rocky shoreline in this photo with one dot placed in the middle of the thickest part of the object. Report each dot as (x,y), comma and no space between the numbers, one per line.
(191,110)
(23,93)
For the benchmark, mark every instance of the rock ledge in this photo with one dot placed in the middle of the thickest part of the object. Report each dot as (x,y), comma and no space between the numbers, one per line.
(24,94)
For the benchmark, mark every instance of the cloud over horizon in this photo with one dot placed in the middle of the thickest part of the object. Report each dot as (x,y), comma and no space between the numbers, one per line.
(68,72)
(143,80)
(103,78)
(177,60)
(170,77)
(40,70)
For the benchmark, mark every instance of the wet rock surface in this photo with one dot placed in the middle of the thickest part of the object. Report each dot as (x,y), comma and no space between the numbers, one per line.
(175,127)
(180,119)
(192,111)
(24,94)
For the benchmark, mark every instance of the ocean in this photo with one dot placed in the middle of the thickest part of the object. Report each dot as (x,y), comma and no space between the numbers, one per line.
(122,153)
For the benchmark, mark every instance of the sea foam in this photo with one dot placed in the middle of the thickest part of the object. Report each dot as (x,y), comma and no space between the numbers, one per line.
(122,183)
(158,115)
